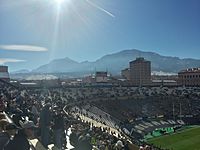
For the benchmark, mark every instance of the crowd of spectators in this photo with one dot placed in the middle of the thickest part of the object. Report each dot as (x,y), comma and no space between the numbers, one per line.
(29,115)
(87,136)
(33,114)
(38,113)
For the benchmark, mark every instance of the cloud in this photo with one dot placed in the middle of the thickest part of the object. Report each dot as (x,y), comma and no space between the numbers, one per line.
(100,8)
(10,60)
(30,48)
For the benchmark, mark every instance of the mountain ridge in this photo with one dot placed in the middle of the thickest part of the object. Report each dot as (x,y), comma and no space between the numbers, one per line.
(115,62)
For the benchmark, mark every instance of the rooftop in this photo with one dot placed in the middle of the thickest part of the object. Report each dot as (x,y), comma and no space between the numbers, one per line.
(190,70)
(140,59)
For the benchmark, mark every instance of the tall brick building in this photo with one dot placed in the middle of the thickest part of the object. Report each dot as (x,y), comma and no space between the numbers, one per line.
(140,71)
(4,75)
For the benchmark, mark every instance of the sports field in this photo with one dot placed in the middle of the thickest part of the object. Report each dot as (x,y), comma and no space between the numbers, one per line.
(188,139)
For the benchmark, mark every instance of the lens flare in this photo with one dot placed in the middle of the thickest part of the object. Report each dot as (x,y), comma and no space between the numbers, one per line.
(59,1)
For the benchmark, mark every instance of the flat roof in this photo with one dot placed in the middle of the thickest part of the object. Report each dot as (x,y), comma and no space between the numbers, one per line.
(28,83)
(166,81)
(190,70)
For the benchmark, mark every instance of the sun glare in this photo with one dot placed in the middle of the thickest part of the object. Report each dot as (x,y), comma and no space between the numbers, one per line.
(59,1)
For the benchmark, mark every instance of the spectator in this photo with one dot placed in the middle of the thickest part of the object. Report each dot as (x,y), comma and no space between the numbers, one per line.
(35,113)
(45,124)
(4,136)
(58,129)
(84,143)
(11,129)
(20,140)
(119,145)
(2,105)
(74,137)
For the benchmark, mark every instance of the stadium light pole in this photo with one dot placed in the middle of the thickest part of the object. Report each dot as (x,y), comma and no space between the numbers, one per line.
(173,112)
(180,111)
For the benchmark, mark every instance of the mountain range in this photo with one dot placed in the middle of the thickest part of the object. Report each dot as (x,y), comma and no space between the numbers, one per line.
(115,62)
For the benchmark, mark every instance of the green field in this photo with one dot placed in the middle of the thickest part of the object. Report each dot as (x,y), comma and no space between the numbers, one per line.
(188,139)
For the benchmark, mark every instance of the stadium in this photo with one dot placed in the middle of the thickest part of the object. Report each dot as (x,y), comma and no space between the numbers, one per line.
(157,118)
(99,75)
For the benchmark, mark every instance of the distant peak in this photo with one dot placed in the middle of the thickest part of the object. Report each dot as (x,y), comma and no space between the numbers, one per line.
(65,58)
(86,61)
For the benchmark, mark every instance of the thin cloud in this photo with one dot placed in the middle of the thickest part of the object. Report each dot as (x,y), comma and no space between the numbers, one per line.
(10,60)
(100,8)
(30,48)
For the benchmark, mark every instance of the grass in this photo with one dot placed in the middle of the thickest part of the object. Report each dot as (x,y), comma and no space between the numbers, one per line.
(188,139)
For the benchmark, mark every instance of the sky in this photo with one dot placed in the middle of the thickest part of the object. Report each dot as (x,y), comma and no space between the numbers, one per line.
(34,32)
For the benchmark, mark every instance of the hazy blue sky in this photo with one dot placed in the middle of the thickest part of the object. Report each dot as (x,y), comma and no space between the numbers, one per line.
(88,29)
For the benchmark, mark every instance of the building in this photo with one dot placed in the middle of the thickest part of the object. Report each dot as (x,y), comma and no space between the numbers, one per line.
(164,83)
(126,73)
(140,72)
(101,76)
(189,77)
(89,79)
(4,75)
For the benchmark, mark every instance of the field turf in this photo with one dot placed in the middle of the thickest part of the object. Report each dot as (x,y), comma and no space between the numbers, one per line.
(188,139)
